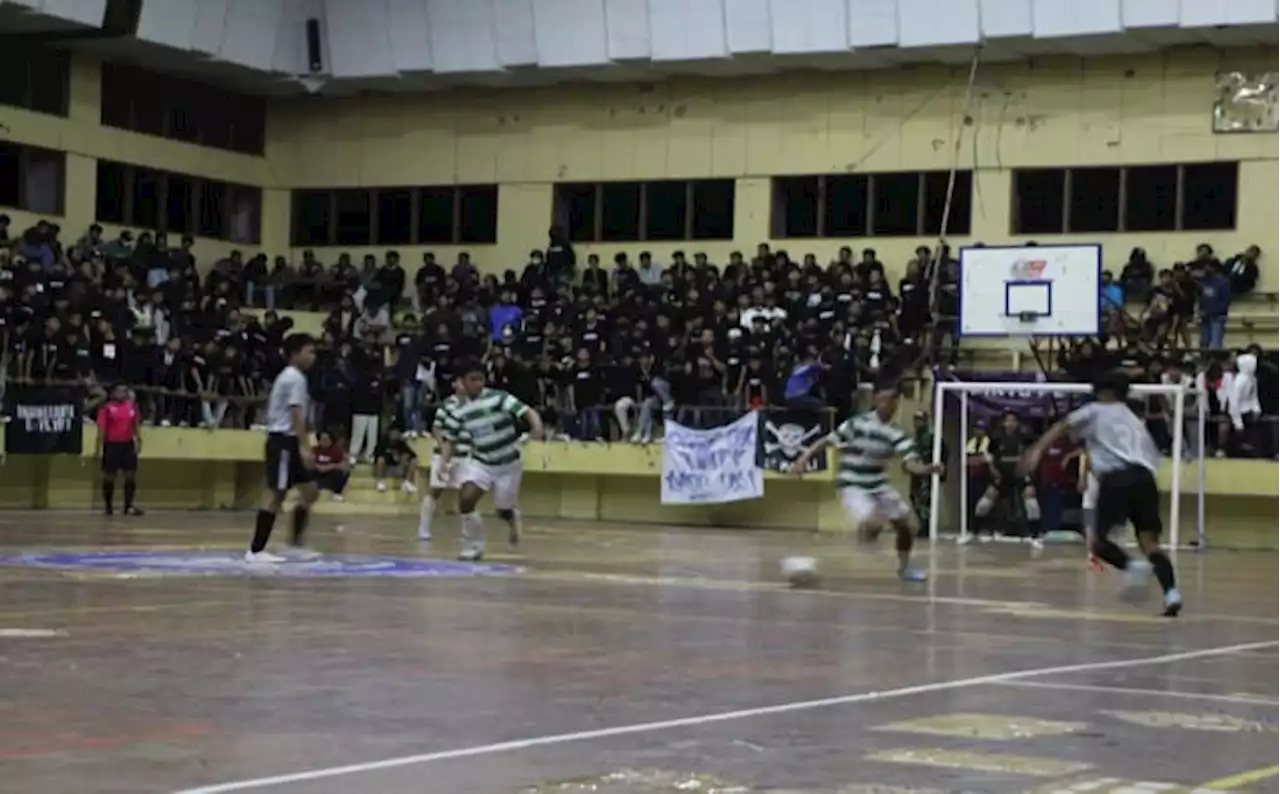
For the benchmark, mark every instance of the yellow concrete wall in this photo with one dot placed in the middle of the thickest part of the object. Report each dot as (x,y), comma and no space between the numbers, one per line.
(85,140)
(195,469)
(1060,111)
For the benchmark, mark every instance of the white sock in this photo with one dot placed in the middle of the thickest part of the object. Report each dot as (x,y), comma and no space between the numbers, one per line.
(473,530)
(1032,507)
(425,514)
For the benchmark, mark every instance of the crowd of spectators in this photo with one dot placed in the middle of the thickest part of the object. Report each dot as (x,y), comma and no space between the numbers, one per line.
(603,351)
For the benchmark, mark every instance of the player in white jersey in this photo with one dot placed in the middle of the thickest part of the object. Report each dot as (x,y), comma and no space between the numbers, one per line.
(489,418)
(289,460)
(442,478)
(867,443)
(1124,458)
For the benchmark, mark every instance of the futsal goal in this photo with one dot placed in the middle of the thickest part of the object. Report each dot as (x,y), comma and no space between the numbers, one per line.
(962,400)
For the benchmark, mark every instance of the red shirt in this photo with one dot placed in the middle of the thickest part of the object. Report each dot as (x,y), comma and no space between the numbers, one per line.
(1055,468)
(330,455)
(118,421)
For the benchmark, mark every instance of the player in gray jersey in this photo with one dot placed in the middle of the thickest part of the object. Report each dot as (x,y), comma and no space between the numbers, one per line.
(288,457)
(1124,458)
(868,442)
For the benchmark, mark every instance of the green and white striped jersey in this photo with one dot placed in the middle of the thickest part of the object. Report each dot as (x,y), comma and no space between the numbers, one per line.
(490,422)
(461,444)
(866,446)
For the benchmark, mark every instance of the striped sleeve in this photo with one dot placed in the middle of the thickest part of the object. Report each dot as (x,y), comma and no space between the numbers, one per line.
(843,434)
(905,446)
(450,427)
(512,405)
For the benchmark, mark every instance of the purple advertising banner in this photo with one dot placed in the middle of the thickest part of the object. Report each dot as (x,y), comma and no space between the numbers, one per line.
(1004,395)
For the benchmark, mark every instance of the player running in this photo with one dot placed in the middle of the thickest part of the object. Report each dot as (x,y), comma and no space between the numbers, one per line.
(1124,458)
(867,442)
(490,419)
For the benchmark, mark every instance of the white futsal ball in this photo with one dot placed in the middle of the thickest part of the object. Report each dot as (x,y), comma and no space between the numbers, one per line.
(800,571)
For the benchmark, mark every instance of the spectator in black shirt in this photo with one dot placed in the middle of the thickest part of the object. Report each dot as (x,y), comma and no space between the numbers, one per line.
(561,261)
(394,458)
(595,280)
(585,396)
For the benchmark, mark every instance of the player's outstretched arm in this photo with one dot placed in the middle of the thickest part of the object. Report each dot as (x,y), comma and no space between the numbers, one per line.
(799,466)
(1031,458)
(536,430)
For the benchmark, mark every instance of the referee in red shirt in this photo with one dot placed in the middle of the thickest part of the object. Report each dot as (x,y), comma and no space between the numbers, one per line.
(119,442)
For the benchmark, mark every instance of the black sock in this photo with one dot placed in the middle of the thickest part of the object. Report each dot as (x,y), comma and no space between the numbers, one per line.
(108,493)
(1107,551)
(130,488)
(262,527)
(1163,569)
(300,516)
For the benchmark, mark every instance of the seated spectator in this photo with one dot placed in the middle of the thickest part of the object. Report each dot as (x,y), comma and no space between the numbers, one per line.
(1242,270)
(332,471)
(394,458)
(1137,276)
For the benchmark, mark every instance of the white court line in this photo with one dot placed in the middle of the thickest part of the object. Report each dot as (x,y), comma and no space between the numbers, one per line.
(1120,690)
(706,719)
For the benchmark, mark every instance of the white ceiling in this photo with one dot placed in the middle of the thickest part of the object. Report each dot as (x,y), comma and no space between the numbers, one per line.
(259,46)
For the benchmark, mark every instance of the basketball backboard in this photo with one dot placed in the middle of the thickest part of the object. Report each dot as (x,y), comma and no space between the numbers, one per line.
(1042,290)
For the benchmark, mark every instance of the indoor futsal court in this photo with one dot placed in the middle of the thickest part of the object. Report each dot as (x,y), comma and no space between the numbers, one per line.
(138,659)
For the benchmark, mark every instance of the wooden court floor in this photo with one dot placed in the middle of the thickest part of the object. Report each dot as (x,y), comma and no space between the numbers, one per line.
(139,658)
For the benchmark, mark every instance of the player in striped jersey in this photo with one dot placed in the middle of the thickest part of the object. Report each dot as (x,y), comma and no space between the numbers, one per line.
(490,419)
(442,480)
(867,442)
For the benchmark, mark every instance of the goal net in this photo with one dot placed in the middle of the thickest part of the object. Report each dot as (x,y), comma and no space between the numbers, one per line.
(959,406)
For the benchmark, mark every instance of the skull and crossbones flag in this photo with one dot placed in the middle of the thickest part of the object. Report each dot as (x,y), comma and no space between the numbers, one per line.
(785,437)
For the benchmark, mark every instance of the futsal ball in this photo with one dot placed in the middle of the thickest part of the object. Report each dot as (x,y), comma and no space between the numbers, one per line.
(800,571)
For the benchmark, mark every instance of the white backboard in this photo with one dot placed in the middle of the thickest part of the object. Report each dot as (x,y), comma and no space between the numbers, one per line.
(1043,290)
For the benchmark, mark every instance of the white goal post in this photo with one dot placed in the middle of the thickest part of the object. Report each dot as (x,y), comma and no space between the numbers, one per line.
(964,389)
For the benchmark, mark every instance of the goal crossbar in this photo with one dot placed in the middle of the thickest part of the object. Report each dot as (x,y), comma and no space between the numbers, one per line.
(1177,392)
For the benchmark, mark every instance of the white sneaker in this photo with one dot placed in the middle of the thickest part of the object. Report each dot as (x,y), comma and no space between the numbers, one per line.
(471,554)
(424,534)
(338,497)
(166,423)
(299,554)
(1137,577)
(1037,544)
(408,487)
(263,558)
(986,538)
(382,486)
(964,540)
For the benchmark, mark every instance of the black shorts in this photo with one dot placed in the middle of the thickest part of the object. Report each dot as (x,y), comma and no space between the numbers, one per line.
(284,463)
(119,456)
(1129,496)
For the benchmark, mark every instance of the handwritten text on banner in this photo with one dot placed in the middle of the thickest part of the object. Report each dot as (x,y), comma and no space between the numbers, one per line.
(711,466)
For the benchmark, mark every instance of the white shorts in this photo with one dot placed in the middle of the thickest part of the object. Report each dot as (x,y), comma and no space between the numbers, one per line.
(885,503)
(501,482)
(1089,501)
(439,479)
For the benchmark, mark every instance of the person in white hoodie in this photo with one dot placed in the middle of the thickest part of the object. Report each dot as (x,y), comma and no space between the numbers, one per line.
(1243,405)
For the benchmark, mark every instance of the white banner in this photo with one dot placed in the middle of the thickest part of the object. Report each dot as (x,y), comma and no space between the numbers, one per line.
(706,467)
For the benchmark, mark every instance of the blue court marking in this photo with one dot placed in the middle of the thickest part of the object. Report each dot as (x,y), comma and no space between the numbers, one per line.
(221,563)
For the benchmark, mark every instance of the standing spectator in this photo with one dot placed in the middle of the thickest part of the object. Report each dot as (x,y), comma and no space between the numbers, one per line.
(1242,270)
(1243,405)
(332,473)
(1059,475)
(1137,276)
(407,369)
(561,260)
(366,408)
(504,314)
(585,393)
(1214,304)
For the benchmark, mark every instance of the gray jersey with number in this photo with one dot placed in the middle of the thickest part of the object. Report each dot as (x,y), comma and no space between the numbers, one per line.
(288,390)
(1114,437)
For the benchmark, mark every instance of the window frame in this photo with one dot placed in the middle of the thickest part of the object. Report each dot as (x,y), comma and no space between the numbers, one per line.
(416,205)
(560,207)
(194,226)
(24,153)
(779,201)
(1180,223)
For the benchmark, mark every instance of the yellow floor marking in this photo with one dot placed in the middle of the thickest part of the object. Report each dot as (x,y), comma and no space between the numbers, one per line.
(1242,779)
(994,727)
(981,762)
(1215,723)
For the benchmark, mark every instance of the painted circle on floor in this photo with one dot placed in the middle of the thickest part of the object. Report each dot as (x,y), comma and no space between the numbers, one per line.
(212,563)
